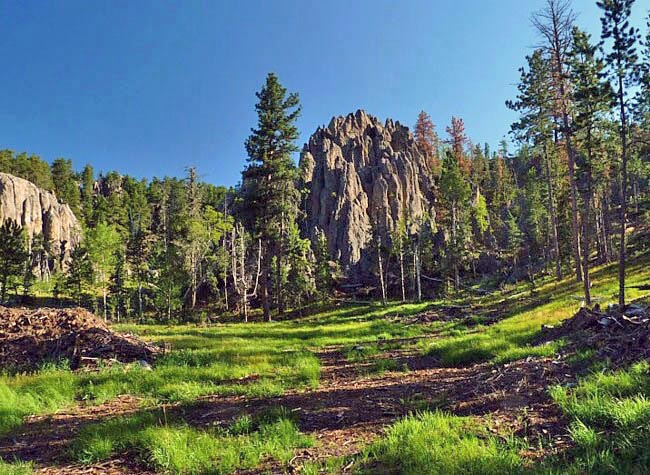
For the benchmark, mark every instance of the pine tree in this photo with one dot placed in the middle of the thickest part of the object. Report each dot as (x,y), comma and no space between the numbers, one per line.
(455,193)
(621,60)
(87,193)
(79,276)
(138,235)
(300,284)
(427,141)
(12,254)
(323,272)
(592,99)
(268,183)
(555,25)
(535,104)
(117,286)
(458,141)
(65,184)
(398,238)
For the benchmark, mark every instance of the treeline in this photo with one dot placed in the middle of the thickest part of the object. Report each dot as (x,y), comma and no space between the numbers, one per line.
(558,204)
(168,246)
(559,201)
(583,158)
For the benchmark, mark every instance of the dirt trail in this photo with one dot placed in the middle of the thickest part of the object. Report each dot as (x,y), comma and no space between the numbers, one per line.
(349,408)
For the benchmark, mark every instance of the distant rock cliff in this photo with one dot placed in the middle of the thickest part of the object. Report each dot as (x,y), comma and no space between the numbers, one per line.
(363,175)
(39,212)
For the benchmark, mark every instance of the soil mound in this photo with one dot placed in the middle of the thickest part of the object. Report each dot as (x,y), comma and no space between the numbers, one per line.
(620,334)
(29,337)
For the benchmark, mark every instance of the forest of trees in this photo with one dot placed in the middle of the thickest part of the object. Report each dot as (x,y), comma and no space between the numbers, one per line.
(559,203)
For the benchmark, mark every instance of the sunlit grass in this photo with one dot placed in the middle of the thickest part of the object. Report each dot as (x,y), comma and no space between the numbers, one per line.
(254,359)
(512,338)
(436,443)
(174,447)
(22,395)
(16,468)
(610,422)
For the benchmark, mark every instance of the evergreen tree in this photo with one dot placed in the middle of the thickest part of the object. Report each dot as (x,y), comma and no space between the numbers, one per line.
(323,272)
(87,193)
(300,284)
(535,103)
(118,294)
(622,62)
(455,193)
(65,184)
(592,100)
(555,23)
(427,141)
(12,254)
(268,182)
(79,275)
(458,141)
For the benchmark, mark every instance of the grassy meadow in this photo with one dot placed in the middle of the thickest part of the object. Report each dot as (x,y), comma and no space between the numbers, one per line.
(608,412)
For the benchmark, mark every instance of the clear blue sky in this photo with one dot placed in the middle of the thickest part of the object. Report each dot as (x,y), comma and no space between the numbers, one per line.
(148,87)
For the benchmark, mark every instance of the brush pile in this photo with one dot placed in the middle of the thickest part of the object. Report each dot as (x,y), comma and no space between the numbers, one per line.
(29,337)
(619,334)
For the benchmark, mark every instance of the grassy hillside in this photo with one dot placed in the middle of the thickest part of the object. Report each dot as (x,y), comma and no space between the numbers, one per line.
(158,416)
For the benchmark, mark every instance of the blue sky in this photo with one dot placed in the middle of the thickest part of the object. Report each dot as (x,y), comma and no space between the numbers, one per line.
(148,87)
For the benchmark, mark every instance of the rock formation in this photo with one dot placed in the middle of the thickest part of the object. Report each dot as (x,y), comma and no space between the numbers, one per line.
(39,212)
(362,177)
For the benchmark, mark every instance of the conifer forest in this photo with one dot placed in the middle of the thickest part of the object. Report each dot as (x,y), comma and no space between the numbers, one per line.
(371,297)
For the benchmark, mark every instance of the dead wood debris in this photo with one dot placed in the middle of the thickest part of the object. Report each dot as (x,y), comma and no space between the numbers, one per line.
(621,335)
(29,337)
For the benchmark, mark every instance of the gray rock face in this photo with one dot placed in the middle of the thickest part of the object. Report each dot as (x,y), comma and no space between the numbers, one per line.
(39,212)
(363,177)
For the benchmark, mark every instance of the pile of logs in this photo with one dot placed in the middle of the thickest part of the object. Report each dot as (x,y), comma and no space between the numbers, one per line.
(29,337)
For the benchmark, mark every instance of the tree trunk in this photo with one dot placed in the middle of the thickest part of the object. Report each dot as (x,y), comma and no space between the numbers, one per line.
(279,261)
(401,269)
(104,304)
(4,287)
(607,228)
(575,228)
(586,199)
(566,132)
(551,209)
(381,272)
(266,305)
(597,214)
(225,259)
(456,274)
(418,269)
(621,252)
(139,298)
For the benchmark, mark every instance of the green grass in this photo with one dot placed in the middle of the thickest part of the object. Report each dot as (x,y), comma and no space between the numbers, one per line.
(610,422)
(22,395)
(16,468)
(254,359)
(176,448)
(608,412)
(512,338)
(436,443)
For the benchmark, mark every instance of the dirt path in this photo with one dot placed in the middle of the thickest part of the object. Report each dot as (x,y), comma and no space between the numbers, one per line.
(349,409)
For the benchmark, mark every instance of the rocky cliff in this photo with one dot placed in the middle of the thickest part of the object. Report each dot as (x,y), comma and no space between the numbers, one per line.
(362,177)
(39,212)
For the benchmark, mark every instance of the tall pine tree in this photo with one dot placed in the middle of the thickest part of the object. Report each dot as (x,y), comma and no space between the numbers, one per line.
(621,59)
(268,186)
